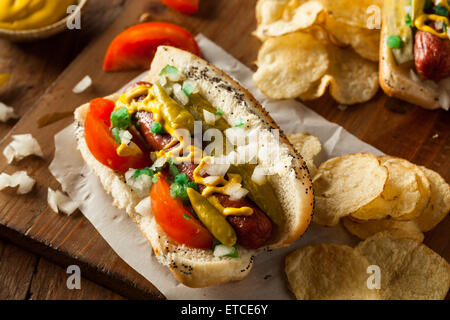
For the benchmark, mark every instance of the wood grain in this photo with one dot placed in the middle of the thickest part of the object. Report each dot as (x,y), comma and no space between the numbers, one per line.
(17,267)
(49,283)
(34,66)
(392,126)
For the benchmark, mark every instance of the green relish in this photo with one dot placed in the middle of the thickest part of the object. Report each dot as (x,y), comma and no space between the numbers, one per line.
(156,128)
(120,118)
(394,42)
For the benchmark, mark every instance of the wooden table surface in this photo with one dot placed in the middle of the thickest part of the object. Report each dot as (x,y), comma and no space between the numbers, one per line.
(394,127)
(33,68)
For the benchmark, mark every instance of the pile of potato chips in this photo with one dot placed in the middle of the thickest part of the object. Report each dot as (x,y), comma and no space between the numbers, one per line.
(310,45)
(407,270)
(373,194)
(386,201)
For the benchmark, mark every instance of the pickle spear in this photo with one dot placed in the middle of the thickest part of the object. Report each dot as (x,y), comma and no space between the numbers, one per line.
(213,220)
(263,195)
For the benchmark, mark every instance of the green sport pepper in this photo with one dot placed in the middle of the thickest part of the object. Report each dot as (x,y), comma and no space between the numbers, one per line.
(213,220)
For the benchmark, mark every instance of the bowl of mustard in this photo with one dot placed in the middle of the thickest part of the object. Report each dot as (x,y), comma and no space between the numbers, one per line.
(28,20)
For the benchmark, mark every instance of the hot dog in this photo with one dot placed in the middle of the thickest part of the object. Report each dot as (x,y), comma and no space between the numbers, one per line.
(432,56)
(415,51)
(206,221)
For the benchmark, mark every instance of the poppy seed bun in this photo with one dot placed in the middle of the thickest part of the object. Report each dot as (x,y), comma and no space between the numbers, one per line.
(292,184)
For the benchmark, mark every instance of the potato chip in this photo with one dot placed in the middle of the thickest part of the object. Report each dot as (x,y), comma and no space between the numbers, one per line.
(288,65)
(329,272)
(277,18)
(439,204)
(409,269)
(365,42)
(342,185)
(357,13)
(364,230)
(351,79)
(317,89)
(355,80)
(308,146)
(405,195)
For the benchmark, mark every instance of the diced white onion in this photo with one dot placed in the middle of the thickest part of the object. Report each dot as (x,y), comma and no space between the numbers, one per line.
(51,200)
(210,118)
(235,191)
(175,77)
(180,95)
(163,80)
(22,146)
(7,113)
(193,84)
(141,185)
(144,207)
(82,86)
(159,163)
(19,179)
(125,136)
(60,202)
(438,25)
(209,180)
(259,175)
(222,250)
(215,167)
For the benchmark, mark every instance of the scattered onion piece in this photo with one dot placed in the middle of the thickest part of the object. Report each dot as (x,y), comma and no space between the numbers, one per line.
(60,202)
(19,179)
(235,191)
(83,85)
(7,113)
(259,175)
(180,95)
(144,207)
(210,118)
(22,146)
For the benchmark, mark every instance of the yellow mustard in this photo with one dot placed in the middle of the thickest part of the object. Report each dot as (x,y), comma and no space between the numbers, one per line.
(213,187)
(171,120)
(32,14)
(420,22)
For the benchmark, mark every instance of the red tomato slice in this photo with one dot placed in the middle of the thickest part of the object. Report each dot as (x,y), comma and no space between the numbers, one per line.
(101,142)
(175,219)
(135,47)
(184,6)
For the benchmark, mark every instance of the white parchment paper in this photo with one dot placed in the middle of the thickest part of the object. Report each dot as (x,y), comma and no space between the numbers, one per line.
(267,279)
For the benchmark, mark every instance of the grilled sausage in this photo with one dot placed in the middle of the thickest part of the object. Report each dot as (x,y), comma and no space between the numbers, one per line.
(252,231)
(156,141)
(432,56)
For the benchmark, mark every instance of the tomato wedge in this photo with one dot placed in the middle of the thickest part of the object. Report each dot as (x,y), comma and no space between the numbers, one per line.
(176,221)
(183,6)
(101,142)
(135,47)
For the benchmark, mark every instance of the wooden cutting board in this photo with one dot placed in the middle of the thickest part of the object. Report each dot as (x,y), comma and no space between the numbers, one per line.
(392,126)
